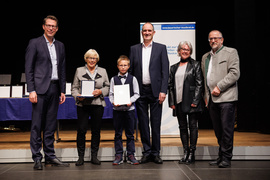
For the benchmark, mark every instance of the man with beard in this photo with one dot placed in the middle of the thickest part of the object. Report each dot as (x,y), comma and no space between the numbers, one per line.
(221,71)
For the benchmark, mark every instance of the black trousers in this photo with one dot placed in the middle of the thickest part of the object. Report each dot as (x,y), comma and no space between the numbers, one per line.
(184,125)
(44,118)
(145,101)
(223,118)
(83,113)
(124,119)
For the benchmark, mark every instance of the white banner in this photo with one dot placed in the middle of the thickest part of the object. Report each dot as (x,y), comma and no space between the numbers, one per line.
(170,34)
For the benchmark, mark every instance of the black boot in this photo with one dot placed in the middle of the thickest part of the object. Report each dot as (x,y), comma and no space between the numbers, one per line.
(185,157)
(191,157)
(80,161)
(94,160)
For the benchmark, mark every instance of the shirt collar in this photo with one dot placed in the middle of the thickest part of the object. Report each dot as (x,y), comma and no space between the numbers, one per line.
(123,75)
(150,45)
(47,39)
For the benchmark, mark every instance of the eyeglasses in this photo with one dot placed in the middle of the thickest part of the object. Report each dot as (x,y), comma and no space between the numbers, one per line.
(214,38)
(91,58)
(123,65)
(187,50)
(50,26)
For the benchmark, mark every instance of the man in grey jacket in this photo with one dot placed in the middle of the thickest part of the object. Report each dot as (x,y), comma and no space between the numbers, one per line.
(221,71)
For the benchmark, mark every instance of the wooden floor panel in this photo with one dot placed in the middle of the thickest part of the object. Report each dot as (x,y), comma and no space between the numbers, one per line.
(20,140)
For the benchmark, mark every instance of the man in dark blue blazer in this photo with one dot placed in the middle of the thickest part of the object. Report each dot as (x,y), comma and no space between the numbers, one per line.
(150,65)
(46,82)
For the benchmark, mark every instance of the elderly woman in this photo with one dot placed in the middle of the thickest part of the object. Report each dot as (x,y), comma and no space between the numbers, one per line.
(93,107)
(185,98)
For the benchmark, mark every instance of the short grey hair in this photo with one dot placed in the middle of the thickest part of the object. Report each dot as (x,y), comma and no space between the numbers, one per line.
(216,31)
(185,43)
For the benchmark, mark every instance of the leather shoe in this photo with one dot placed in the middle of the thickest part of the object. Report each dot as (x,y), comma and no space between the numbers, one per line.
(145,159)
(38,165)
(224,164)
(216,162)
(55,162)
(158,160)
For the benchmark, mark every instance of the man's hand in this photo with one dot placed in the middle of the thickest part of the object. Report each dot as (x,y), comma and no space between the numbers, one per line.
(62,98)
(216,92)
(33,97)
(162,97)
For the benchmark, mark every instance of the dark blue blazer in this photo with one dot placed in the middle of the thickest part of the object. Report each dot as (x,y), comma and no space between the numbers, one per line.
(158,67)
(38,66)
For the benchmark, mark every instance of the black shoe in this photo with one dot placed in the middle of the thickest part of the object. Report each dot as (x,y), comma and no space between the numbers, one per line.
(185,157)
(224,164)
(80,161)
(38,165)
(158,160)
(55,162)
(145,159)
(216,162)
(191,157)
(94,160)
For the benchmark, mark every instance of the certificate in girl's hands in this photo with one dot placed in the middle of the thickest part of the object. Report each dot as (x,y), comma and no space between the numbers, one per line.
(121,94)
(87,89)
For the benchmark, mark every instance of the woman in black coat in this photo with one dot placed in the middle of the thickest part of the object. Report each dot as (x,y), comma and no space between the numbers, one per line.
(185,98)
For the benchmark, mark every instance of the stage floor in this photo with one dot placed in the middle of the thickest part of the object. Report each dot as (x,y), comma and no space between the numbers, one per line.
(15,146)
(169,170)
(20,140)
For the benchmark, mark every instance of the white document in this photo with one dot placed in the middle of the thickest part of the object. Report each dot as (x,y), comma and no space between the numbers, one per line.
(25,90)
(17,91)
(68,89)
(4,91)
(121,94)
(87,88)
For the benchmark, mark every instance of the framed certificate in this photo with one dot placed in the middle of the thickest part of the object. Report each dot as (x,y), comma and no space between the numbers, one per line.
(4,91)
(17,91)
(87,88)
(121,94)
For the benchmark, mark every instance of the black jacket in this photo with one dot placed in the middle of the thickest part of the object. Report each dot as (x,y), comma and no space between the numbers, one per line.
(192,88)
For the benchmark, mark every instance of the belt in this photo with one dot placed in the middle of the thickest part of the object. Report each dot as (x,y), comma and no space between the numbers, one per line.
(54,81)
(147,85)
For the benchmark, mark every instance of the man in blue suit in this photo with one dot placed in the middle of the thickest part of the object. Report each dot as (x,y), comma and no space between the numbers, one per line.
(150,65)
(46,82)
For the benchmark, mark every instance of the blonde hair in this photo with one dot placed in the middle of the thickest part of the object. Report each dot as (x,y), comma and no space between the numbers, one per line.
(91,52)
(123,57)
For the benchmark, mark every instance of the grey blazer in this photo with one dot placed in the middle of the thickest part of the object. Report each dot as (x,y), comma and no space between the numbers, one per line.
(101,82)
(224,74)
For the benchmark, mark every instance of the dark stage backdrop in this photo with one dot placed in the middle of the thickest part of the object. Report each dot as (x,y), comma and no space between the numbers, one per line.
(111,29)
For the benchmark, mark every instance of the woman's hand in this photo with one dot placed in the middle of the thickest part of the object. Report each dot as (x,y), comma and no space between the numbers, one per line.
(80,98)
(97,92)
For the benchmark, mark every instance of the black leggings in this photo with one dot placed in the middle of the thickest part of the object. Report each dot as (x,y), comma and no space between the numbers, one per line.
(184,125)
